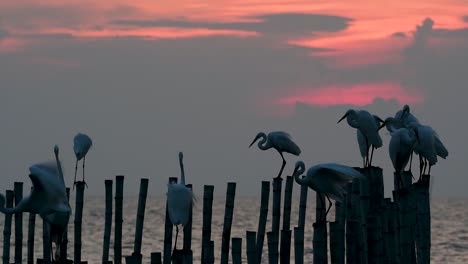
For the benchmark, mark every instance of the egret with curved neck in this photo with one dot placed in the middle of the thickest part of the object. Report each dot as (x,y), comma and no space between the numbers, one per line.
(279,140)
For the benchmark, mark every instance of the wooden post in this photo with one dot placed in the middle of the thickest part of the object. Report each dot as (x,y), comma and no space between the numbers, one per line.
(320,231)
(390,238)
(272,239)
(7,227)
(119,187)
(352,227)
(107,221)
(207,216)
(80,186)
(372,239)
(336,249)
(168,232)
(229,210)
(18,190)
(188,230)
(64,245)
(236,250)
(46,242)
(136,255)
(298,245)
(405,226)
(251,247)
(285,244)
(396,224)
(262,219)
(155,258)
(423,219)
(302,207)
(211,257)
(276,212)
(31,229)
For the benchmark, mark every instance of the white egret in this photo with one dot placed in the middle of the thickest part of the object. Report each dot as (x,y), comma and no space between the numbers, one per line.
(428,147)
(363,146)
(329,179)
(404,117)
(81,145)
(179,200)
(368,125)
(48,198)
(279,140)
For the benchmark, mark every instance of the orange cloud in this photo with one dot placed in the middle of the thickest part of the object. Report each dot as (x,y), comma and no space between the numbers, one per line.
(359,95)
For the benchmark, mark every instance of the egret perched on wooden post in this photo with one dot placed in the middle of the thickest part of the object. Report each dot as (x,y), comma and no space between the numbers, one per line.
(279,140)
(48,198)
(404,117)
(81,145)
(329,179)
(179,200)
(368,125)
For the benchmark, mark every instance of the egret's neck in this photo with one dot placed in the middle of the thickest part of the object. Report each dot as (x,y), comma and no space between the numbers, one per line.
(299,170)
(182,172)
(263,144)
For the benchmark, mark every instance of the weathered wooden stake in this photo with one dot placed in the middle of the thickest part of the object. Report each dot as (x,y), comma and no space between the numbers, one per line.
(298,245)
(276,212)
(31,229)
(285,248)
(285,244)
(18,190)
(107,221)
(272,239)
(46,249)
(188,230)
(7,227)
(405,226)
(352,227)
(155,258)
(207,216)
(168,232)
(119,187)
(211,257)
(262,219)
(64,245)
(236,250)
(80,186)
(336,252)
(423,219)
(228,213)
(251,247)
(136,255)
(320,231)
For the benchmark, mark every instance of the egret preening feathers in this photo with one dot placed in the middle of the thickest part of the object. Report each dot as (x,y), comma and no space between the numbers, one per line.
(368,126)
(48,198)
(279,140)
(179,200)
(329,179)
(81,145)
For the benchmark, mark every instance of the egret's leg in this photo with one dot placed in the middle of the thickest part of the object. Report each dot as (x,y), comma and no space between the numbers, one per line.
(421,166)
(76,169)
(372,154)
(322,202)
(429,172)
(410,161)
(367,156)
(175,244)
(282,166)
(329,206)
(84,159)
(363,162)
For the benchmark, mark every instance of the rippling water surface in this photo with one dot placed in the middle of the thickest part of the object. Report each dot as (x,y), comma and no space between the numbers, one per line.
(449,228)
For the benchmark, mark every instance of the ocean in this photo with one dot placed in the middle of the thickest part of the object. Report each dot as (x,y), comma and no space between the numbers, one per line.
(449,228)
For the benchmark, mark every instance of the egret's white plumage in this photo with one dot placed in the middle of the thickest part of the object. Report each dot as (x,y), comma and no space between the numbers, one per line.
(81,145)
(368,125)
(179,200)
(362,143)
(404,117)
(279,140)
(329,179)
(48,198)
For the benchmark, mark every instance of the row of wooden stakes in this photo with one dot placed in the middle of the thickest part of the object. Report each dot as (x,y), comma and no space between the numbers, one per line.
(368,228)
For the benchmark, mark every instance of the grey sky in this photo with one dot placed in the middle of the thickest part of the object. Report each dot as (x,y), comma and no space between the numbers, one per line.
(144,100)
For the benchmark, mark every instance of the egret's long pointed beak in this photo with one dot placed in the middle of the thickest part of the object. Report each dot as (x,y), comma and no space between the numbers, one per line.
(345,115)
(381,126)
(380,119)
(255,139)
(295,171)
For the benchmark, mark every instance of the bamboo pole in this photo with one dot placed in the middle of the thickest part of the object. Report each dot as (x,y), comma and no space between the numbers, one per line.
(251,247)
(372,239)
(107,221)
(262,219)
(155,258)
(207,216)
(285,244)
(352,227)
(168,232)
(390,239)
(298,245)
(211,258)
(46,243)
(79,203)
(272,239)
(7,227)
(18,190)
(236,250)
(228,213)
(302,207)
(336,252)
(136,255)
(405,226)
(188,230)
(320,231)
(119,187)
(396,224)
(31,229)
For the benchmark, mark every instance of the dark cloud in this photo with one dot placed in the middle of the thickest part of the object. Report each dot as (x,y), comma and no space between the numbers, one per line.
(292,23)
(465,18)
(399,35)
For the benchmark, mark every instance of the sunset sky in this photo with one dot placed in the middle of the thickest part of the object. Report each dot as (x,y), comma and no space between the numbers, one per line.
(146,79)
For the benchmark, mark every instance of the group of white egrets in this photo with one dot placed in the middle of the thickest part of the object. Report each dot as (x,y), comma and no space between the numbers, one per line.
(48,196)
